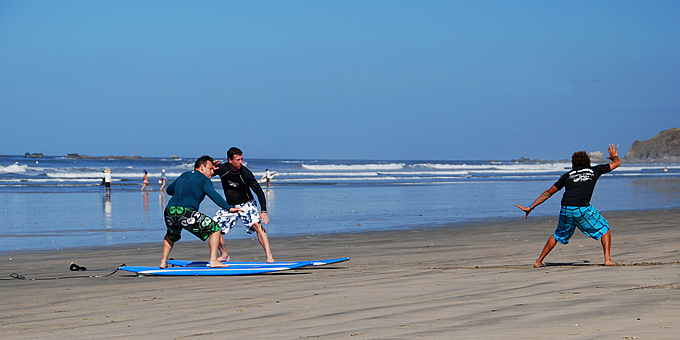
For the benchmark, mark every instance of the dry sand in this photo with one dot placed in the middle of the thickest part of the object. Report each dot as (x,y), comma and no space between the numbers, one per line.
(466,281)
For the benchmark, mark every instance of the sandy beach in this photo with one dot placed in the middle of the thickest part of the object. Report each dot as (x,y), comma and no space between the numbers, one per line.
(467,281)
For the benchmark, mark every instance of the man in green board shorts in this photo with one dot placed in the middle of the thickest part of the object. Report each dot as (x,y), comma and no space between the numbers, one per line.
(576,210)
(188,191)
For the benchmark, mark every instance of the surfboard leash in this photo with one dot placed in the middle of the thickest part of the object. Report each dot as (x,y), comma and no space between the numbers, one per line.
(72,267)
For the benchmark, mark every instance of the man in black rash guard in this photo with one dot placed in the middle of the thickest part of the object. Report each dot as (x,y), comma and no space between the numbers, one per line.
(576,211)
(237,182)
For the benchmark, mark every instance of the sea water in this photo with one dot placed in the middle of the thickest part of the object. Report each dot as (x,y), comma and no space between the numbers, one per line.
(59,202)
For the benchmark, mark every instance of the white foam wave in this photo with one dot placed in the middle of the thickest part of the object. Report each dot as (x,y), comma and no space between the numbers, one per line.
(353,167)
(336,179)
(52,180)
(657,174)
(497,167)
(426,173)
(74,175)
(302,174)
(646,167)
(372,179)
(13,169)
(99,175)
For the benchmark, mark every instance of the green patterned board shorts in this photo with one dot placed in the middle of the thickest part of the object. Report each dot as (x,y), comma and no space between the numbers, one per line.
(178,218)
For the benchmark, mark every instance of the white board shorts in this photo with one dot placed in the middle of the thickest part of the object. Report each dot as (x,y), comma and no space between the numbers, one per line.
(249,216)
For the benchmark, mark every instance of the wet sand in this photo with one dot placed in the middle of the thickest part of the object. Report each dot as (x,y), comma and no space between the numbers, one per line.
(466,281)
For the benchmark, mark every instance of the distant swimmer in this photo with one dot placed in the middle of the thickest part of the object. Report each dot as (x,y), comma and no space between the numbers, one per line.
(107,181)
(187,192)
(665,169)
(237,182)
(145,181)
(576,211)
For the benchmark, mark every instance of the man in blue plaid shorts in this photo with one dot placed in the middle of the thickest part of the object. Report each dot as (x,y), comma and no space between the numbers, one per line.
(576,211)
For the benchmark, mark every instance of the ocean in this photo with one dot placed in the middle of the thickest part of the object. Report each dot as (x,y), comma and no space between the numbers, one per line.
(58,202)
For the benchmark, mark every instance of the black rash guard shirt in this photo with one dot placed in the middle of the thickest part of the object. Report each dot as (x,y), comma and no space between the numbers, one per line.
(580,184)
(237,186)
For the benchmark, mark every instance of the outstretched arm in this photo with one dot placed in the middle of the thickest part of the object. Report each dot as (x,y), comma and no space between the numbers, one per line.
(614,156)
(217,198)
(544,197)
(209,190)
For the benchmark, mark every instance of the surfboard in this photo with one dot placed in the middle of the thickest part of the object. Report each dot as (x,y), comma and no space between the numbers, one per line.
(183,263)
(207,271)
(271,175)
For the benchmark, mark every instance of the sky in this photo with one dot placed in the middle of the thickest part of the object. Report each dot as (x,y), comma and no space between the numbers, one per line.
(381,80)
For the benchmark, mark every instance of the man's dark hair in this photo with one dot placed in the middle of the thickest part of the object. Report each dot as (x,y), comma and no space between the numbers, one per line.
(580,159)
(233,151)
(202,160)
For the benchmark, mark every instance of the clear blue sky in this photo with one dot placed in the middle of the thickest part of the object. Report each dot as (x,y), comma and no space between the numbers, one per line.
(431,80)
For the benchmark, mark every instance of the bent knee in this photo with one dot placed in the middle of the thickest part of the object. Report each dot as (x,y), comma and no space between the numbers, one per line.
(259,228)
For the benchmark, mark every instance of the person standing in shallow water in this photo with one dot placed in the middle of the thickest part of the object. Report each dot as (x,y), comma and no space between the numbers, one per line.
(576,211)
(107,181)
(268,177)
(145,181)
(163,180)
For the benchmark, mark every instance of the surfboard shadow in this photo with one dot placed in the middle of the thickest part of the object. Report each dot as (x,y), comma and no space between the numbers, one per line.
(571,264)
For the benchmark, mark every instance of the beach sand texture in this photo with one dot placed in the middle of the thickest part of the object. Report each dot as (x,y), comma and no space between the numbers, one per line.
(475,281)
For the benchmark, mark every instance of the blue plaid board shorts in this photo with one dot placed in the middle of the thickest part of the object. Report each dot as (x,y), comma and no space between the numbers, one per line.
(249,216)
(587,219)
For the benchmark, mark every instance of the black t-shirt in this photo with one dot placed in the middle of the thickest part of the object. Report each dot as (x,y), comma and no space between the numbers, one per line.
(237,185)
(579,184)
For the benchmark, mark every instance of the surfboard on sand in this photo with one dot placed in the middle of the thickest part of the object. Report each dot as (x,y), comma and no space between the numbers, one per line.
(184,263)
(271,175)
(207,271)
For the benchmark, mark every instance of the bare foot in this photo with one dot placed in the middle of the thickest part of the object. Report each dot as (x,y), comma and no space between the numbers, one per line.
(217,264)
(270,260)
(539,265)
(223,258)
(163,265)
(610,263)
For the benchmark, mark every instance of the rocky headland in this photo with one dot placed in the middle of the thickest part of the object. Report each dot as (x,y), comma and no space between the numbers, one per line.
(664,147)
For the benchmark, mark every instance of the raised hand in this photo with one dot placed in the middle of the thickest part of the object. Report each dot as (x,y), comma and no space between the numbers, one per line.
(613,151)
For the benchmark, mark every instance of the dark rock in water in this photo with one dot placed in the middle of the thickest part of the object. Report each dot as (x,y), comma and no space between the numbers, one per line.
(34,155)
(522,160)
(128,157)
(596,157)
(539,161)
(664,147)
(78,156)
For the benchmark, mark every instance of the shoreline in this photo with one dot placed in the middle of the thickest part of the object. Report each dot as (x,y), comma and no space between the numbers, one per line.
(188,238)
(471,282)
